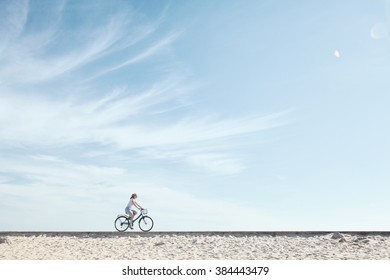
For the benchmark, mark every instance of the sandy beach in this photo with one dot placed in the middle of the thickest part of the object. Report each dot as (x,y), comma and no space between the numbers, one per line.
(196,246)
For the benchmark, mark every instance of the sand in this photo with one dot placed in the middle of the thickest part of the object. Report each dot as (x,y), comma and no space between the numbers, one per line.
(195,246)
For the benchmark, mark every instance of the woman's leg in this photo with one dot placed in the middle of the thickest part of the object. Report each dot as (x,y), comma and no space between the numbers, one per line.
(132,217)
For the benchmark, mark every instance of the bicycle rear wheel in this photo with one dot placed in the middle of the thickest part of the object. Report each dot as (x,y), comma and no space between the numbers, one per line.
(121,223)
(145,223)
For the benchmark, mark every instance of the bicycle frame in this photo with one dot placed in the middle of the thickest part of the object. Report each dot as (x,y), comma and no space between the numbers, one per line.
(136,218)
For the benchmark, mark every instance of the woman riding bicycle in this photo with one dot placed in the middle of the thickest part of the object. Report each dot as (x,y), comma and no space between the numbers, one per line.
(125,221)
(130,208)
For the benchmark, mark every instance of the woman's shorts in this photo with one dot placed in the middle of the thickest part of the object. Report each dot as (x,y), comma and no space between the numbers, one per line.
(128,211)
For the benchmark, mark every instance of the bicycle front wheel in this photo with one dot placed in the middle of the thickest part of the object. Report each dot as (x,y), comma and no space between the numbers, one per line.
(146,223)
(121,223)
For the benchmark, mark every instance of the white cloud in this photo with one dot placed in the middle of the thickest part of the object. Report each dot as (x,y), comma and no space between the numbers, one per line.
(66,136)
(115,123)
(123,118)
(115,120)
(217,163)
(52,171)
(30,57)
(210,156)
(12,20)
(149,52)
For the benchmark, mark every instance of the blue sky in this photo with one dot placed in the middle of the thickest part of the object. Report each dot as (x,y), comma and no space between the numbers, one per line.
(221,115)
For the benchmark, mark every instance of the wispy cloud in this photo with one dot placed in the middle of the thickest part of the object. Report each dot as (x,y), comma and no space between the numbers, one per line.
(13,18)
(38,56)
(149,52)
(57,172)
(114,122)
(70,131)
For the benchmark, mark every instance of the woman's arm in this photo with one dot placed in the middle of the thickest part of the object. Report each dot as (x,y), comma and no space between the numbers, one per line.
(137,205)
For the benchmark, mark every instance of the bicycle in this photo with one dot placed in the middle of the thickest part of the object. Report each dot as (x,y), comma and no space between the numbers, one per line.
(145,223)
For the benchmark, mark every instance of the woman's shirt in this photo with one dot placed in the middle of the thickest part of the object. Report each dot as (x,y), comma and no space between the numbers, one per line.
(131,203)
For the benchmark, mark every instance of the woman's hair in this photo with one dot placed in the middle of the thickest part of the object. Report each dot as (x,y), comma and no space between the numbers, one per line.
(133,195)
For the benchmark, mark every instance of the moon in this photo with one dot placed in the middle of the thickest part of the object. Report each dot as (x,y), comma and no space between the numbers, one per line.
(336,53)
(379,31)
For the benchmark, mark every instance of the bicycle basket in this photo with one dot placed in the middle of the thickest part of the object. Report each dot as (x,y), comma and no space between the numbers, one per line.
(144,211)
